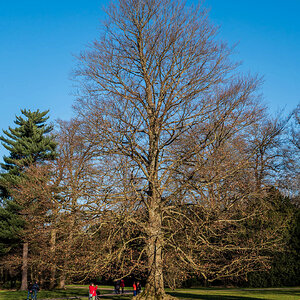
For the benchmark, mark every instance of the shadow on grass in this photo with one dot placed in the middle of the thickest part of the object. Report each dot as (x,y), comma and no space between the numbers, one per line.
(210,297)
(259,292)
(283,292)
(116,297)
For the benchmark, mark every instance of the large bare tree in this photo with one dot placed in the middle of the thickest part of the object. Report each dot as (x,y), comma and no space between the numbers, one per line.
(169,115)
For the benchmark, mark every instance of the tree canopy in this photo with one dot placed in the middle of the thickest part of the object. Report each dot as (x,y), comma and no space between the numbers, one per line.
(164,104)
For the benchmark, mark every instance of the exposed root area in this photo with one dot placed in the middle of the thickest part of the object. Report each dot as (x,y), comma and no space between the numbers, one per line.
(147,296)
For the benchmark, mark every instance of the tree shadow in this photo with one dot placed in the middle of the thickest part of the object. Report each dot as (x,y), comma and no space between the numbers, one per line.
(265,293)
(117,297)
(283,292)
(210,297)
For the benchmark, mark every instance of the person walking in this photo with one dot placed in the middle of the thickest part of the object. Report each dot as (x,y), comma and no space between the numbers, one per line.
(122,285)
(134,288)
(118,283)
(92,291)
(138,288)
(117,286)
(30,291)
(35,288)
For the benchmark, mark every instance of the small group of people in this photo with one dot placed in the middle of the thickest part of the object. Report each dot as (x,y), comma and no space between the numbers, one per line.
(119,286)
(137,288)
(33,289)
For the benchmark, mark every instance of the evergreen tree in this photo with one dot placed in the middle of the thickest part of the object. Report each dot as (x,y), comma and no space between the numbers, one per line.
(285,266)
(28,143)
(10,227)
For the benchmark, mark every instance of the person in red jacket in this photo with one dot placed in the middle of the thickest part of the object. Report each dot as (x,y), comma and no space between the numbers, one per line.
(122,285)
(92,291)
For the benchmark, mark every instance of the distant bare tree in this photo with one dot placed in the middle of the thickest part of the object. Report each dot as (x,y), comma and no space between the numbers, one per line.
(52,199)
(78,178)
(36,194)
(290,180)
(160,100)
(296,131)
(266,142)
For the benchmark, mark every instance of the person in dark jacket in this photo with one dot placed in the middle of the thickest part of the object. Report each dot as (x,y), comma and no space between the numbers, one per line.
(35,288)
(138,288)
(117,286)
(30,291)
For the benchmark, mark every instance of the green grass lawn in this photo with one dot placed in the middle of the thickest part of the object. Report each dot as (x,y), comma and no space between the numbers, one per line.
(189,294)
(236,294)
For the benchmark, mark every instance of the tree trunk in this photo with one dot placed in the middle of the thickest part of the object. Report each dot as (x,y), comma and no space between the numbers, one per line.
(42,278)
(24,267)
(62,280)
(52,255)
(154,289)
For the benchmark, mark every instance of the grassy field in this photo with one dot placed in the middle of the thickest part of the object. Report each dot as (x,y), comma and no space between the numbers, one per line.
(188,294)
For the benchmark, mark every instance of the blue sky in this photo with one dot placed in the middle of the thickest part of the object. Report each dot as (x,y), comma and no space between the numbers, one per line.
(39,38)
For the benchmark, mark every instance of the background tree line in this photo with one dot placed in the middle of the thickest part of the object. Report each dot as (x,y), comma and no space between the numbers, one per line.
(171,168)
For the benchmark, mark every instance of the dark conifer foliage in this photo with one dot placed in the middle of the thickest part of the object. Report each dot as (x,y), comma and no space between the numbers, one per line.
(10,227)
(28,143)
